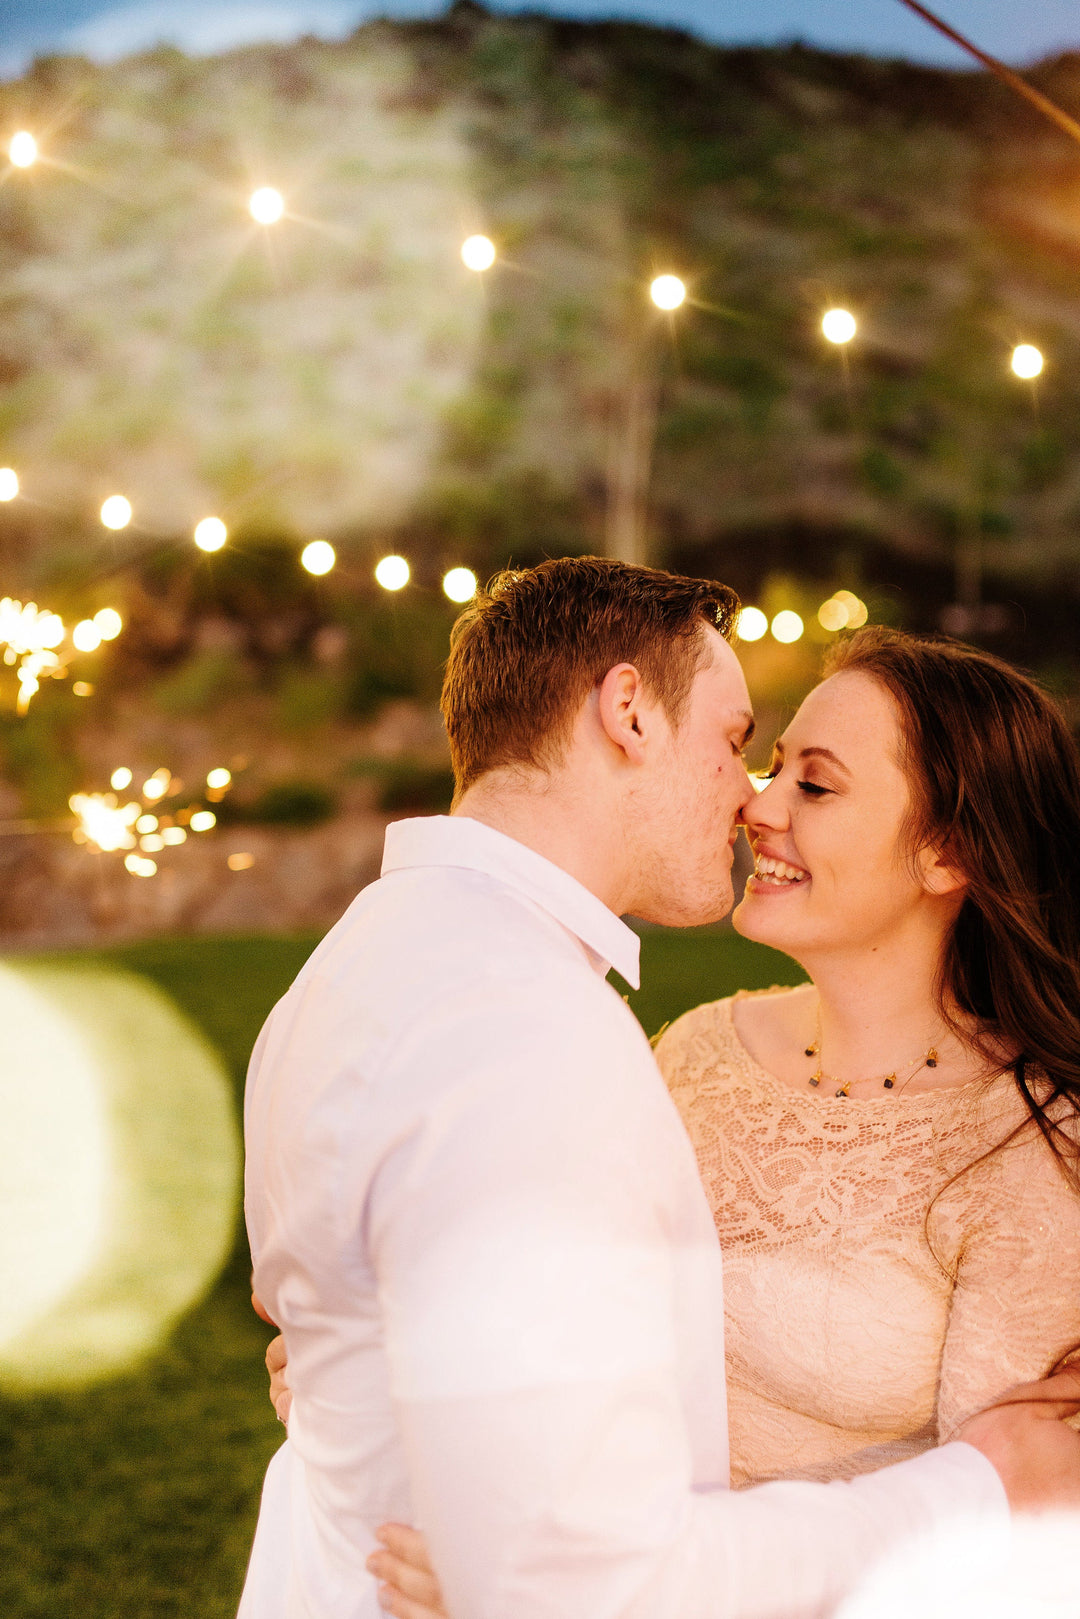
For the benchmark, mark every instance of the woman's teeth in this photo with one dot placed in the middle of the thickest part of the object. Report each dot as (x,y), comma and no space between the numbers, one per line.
(777,871)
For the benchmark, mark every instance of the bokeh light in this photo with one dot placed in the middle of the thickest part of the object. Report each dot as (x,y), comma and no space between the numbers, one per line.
(219,778)
(203,821)
(140,866)
(392,573)
(9,483)
(82,688)
(832,615)
(210,534)
(171,835)
(108,623)
(241,860)
(667,292)
(839,325)
(1027,361)
(120,778)
(460,584)
(266,205)
(157,785)
(116,512)
(86,637)
(787,627)
(752,624)
(146,823)
(23,149)
(318,557)
(478,253)
(104,822)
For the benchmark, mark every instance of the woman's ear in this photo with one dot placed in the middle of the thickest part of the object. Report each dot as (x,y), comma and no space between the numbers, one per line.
(624,710)
(938,872)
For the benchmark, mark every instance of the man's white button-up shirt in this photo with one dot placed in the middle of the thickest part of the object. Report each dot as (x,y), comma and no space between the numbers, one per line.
(476,1216)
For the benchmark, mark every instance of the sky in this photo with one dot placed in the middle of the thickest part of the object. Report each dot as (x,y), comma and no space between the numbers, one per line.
(106,29)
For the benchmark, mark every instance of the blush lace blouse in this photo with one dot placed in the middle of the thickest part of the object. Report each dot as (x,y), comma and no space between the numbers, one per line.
(865,1321)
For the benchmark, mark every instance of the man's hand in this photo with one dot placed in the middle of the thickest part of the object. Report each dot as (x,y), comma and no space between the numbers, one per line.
(276,1365)
(1023,1435)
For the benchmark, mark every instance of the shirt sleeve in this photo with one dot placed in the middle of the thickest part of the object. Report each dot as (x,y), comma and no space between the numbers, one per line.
(524,1259)
(1016,1303)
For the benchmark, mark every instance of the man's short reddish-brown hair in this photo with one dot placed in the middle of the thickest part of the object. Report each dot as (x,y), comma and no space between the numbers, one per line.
(529,649)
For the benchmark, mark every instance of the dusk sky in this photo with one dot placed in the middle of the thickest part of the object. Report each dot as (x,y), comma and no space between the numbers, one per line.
(106,29)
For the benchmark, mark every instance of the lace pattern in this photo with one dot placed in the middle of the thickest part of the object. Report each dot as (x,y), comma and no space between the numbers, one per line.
(865,1320)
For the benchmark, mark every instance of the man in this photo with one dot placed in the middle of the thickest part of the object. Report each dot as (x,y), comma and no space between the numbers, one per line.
(473,1209)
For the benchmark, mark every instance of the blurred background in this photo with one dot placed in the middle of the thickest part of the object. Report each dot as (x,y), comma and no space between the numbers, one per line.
(308,321)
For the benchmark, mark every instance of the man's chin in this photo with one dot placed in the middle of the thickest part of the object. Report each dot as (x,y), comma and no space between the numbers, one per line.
(688,912)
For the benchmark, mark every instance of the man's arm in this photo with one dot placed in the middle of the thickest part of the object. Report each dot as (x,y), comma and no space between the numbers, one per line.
(526,1268)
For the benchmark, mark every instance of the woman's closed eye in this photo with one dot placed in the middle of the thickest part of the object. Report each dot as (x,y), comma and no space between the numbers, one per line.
(812,789)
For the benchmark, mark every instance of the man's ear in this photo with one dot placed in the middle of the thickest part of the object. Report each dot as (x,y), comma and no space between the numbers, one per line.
(939,874)
(625,712)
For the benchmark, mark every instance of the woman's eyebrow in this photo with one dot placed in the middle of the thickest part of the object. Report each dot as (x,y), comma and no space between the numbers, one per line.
(825,753)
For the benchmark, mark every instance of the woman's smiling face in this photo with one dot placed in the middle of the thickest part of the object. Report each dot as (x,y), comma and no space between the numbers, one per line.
(832,867)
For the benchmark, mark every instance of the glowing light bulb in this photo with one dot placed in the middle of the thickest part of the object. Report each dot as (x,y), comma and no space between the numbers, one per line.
(460,584)
(392,573)
(116,512)
(219,778)
(839,325)
(86,637)
(109,623)
(1027,361)
(668,292)
(23,149)
(787,626)
(266,205)
(120,778)
(318,557)
(9,483)
(210,534)
(752,624)
(203,820)
(478,253)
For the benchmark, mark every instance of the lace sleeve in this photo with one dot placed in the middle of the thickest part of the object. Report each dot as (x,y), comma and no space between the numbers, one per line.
(1016,1306)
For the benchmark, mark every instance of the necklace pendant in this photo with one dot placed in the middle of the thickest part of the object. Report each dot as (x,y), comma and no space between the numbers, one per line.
(890,1082)
(815,1080)
(811,1051)
(931,1058)
(843,1090)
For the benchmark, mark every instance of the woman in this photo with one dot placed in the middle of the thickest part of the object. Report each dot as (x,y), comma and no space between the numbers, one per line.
(891,1149)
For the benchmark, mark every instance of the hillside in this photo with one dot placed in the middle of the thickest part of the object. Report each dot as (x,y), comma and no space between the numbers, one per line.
(344,373)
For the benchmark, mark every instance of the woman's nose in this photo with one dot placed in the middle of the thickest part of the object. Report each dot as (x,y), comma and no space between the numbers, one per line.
(766,808)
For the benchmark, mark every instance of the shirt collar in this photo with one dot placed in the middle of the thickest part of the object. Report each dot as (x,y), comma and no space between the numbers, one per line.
(457,840)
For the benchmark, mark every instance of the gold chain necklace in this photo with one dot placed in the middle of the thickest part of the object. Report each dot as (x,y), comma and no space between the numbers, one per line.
(926,1059)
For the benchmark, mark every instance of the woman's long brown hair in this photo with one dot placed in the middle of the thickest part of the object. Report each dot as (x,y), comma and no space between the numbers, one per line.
(995,780)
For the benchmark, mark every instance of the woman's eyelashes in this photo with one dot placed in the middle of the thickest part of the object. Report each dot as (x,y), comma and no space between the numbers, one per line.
(813,789)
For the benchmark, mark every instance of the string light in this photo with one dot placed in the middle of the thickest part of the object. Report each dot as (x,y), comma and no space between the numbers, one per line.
(23,149)
(839,325)
(318,557)
(266,205)
(392,573)
(9,483)
(478,253)
(116,512)
(787,627)
(1027,361)
(460,584)
(86,637)
(752,624)
(210,534)
(668,292)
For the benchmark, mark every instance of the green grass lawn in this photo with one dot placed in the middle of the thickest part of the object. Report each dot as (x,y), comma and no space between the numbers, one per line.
(138,1496)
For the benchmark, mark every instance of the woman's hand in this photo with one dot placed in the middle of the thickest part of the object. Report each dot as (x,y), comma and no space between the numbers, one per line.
(276,1365)
(408,1586)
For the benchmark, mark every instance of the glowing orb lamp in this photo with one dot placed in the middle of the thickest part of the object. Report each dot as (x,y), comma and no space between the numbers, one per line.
(116,512)
(668,292)
(839,325)
(119,1178)
(266,205)
(1027,361)
(752,624)
(23,149)
(478,253)
(460,584)
(392,573)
